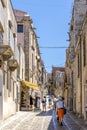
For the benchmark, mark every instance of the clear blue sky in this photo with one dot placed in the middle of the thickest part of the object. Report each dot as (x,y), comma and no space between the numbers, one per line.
(50,18)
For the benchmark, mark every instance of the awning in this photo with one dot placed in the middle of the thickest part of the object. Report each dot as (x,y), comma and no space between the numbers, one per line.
(30,85)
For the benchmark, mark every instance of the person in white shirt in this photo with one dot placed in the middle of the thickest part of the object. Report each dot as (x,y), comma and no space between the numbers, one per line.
(44,104)
(60,109)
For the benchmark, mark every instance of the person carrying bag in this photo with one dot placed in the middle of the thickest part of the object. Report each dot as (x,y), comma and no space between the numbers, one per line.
(60,109)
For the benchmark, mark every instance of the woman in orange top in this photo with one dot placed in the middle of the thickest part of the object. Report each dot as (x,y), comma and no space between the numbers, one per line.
(60,109)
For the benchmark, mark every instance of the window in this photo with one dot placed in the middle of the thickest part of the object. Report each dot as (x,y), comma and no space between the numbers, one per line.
(9,30)
(84,52)
(86,2)
(13,91)
(3,3)
(14,37)
(10,23)
(71,28)
(78,65)
(8,82)
(32,64)
(4,77)
(20,28)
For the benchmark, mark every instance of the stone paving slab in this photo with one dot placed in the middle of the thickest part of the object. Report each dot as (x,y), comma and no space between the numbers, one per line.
(74,123)
(32,121)
(42,121)
(15,120)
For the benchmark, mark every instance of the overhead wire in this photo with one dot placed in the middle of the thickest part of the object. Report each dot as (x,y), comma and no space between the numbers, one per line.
(54,47)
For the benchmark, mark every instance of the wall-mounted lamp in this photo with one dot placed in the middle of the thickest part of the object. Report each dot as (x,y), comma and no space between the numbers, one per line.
(34,28)
(37,37)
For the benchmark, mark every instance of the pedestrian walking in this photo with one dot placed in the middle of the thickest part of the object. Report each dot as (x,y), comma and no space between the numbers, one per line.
(60,109)
(44,103)
(31,103)
(50,102)
(54,103)
(38,102)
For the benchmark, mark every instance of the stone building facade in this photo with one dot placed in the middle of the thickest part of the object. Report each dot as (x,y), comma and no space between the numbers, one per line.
(20,60)
(58,78)
(9,61)
(27,39)
(76,60)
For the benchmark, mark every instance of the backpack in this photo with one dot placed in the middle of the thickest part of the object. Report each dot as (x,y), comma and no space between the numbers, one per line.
(65,110)
(43,101)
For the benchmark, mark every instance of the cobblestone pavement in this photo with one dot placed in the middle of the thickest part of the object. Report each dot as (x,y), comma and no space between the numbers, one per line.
(38,121)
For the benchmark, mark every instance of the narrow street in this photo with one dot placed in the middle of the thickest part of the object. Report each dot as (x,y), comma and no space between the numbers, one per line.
(38,121)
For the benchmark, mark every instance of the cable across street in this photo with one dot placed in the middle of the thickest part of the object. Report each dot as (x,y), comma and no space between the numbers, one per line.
(54,47)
